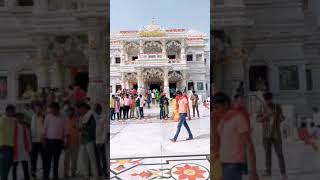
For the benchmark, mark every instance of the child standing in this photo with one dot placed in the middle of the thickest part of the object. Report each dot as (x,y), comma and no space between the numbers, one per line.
(22,146)
(71,141)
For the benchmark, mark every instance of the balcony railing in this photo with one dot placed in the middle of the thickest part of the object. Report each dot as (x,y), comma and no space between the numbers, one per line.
(54,5)
(152,56)
(150,61)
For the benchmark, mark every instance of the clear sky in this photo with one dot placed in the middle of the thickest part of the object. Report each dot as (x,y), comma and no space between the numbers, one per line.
(134,14)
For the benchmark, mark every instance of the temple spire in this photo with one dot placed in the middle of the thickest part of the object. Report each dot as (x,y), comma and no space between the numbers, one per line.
(153,22)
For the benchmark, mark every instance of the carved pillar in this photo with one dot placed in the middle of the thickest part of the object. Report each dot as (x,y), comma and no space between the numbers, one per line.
(184,81)
(97,65)
(139,78)
(141,46)
(68,77)
(123,80)
(122,53)
(43,63)
(164,47)
(114,90)
(127,84)
(235,66)
(183,53)
(166,81)
(56,75)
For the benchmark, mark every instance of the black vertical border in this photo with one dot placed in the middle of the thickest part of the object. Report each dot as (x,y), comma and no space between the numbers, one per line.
(107,80)
(212,60)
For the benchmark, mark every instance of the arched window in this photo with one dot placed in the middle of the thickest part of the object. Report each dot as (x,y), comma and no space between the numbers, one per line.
(258,78)
(27,85)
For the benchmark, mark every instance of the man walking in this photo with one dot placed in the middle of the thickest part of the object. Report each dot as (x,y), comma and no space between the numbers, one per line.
(183,108)
(195,100)
(271,118)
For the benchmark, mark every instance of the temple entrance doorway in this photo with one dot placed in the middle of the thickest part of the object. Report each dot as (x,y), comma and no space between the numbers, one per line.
(135,86)
(172,88)
(154,86)
(82,80)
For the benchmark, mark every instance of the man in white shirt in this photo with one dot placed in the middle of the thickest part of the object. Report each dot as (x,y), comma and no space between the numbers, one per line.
(153,96)
(126,107)
(141,106)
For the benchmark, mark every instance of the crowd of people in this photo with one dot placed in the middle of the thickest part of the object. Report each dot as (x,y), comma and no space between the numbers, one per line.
(233,148)
(128,104)
(54,122)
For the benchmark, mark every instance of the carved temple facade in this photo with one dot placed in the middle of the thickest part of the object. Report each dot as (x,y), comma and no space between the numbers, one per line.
(53,44)
(270,46)
(163,59)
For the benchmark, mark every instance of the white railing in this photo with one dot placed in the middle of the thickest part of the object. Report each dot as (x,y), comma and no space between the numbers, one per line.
(174,61)
(152,56)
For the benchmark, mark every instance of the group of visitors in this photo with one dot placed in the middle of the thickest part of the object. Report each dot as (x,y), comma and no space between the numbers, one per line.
(233,148)
(46,130)
(122,104)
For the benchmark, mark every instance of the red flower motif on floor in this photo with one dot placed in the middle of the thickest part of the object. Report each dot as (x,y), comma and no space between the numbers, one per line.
(143,174)
(189,172)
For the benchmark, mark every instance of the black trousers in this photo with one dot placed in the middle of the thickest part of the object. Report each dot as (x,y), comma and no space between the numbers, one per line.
(53,151)
(112,114)
(101,159)
(126,111)
(277,144)
(25,168)
(141,112)
(122,111)
(37,149)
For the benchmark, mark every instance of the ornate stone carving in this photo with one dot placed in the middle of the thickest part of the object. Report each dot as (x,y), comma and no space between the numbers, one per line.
(132,77)
(172,44)
(153,73)
(132,45)
(152,46)
(152,30)
(175,76)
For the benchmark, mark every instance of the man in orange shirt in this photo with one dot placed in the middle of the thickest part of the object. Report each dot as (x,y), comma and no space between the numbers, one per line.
(183,111)
(72,143)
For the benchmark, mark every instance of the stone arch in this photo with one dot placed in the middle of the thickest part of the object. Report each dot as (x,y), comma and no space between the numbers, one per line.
(153,74)
(25,79)
(175,76)
(152,47)
(173,48)
(132,49)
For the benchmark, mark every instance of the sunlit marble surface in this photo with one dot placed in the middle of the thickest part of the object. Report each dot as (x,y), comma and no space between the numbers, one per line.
(152,139)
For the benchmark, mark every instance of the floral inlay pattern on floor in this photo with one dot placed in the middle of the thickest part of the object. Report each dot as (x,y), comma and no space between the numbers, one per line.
(193,167)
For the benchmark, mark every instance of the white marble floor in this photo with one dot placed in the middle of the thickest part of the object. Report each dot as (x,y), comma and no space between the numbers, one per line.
(150,137)
(141,149)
